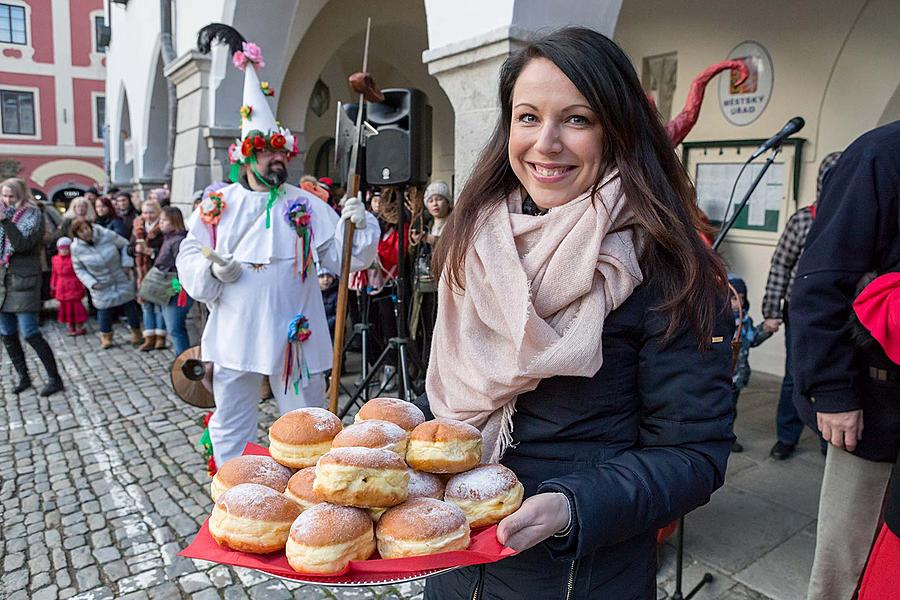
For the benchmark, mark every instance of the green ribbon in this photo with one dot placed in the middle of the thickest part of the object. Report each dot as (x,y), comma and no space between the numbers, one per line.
(176,287)
(274,192)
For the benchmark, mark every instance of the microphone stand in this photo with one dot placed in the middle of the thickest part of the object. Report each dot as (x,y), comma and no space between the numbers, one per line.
(746,199)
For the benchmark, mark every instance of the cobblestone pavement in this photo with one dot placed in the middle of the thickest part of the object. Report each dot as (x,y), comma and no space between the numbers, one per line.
(103,485)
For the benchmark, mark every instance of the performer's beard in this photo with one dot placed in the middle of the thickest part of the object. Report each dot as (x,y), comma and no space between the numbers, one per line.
(276,174)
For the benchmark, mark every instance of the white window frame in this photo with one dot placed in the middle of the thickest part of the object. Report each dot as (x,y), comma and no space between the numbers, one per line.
(29,39)
(37,112)
(95,118)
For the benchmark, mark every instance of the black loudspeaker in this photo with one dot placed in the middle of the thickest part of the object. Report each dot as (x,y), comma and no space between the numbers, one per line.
(401,152)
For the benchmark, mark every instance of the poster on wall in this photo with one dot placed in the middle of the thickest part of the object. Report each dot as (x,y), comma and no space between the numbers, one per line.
(744,103)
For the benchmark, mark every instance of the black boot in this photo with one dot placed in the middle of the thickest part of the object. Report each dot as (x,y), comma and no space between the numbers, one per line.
(45,354)
(17,356)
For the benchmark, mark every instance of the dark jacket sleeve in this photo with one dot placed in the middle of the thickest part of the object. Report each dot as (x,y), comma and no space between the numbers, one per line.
(846,241)
(23,243)
(685,439)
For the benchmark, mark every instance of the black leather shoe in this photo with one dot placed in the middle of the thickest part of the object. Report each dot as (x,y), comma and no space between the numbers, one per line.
(24,384)
(55,385)
(782,451)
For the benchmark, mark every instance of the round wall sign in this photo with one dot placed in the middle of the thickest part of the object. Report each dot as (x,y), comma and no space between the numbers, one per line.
(742,104)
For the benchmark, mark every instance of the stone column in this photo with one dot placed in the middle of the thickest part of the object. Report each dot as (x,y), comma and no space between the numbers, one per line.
(191,163)
(468,72)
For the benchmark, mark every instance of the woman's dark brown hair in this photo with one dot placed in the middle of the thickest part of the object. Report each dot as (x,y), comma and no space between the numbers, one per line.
(175,217)
(659,192)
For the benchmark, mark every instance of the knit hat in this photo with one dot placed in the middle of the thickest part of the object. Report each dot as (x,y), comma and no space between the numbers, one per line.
(438,188)
(63,241)
(326,182)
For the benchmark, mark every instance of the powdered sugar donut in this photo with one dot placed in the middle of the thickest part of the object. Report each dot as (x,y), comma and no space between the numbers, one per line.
(486,494)
(421,526)
(252,518)
(373,434)
(362,477)
(326,537)
(421,485)
(299,437)
(444,446)
(300,488)
(405,414)
(249,469)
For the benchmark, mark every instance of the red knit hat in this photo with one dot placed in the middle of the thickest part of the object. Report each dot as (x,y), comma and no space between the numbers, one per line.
(878,309)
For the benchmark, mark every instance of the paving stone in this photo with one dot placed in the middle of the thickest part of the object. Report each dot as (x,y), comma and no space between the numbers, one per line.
(88,578)
(207,594)
(194,582)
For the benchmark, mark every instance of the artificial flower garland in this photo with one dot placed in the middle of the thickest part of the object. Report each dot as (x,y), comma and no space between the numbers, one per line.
(295,369)
(211,209)
(297,216)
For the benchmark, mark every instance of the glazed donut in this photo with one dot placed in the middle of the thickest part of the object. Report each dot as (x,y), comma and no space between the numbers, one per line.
(298,438)
(326,537)
(249,469)
(252,518)
(421,485)
(362,477)
(486,494)
(421,526)
(405,414)
(373,434)
(300,488)
(444,446)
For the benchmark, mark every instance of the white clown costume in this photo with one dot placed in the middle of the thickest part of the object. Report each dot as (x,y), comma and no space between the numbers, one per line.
(246,335)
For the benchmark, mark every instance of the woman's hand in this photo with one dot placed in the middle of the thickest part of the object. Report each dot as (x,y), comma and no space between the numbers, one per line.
(537,519)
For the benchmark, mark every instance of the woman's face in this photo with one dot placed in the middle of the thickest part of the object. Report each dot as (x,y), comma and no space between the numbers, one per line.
(438,206)
(100,208)
(376,204)
(149,212)
(8,196)
(81,209)
(122,203)
(165,225)
(555,139)
(85,233)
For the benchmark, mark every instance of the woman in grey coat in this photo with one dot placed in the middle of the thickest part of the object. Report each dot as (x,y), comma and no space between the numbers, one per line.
(100,258)
(21,239)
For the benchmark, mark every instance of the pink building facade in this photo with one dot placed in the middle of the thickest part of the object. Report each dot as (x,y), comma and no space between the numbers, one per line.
(52,95)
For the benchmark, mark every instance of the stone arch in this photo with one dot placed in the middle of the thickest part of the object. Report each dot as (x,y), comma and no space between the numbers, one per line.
(399,36)
(155,150)
(123,172)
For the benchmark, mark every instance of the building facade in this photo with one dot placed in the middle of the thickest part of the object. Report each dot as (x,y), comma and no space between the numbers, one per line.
(833,62)
(52,94)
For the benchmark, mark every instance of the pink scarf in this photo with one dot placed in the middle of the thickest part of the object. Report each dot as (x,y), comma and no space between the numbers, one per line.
(538,289)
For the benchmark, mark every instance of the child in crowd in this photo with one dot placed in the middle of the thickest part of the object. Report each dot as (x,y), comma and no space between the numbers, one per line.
(751,337)
(67,289)
(328,283)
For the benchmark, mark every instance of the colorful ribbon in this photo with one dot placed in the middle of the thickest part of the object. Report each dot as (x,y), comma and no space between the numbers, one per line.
(274,191)
(182,295)
(295,370)
(297,216)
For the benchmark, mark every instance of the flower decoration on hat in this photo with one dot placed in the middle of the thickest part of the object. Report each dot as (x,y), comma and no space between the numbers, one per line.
(246,111)
(249,54)
(266,89)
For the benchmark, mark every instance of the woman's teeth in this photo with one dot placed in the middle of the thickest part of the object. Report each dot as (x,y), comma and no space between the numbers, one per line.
(544,172)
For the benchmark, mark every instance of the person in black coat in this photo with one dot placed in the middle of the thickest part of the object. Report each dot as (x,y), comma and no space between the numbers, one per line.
(608,457)
(845,392)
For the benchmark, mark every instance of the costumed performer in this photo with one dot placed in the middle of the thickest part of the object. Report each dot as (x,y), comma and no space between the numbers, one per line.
(267,318)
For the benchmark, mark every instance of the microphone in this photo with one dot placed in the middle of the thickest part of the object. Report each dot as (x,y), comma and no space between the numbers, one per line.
(790,128)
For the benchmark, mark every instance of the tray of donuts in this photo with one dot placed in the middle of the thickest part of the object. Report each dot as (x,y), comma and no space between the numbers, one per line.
(390,498)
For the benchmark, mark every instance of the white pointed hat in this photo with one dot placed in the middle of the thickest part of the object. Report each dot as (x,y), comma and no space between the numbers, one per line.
(259,129)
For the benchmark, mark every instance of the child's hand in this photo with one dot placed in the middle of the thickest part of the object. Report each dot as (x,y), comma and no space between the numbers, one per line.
(771,325)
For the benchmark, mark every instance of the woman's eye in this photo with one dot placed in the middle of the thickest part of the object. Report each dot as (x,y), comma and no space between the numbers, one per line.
(579,120)
(527,118)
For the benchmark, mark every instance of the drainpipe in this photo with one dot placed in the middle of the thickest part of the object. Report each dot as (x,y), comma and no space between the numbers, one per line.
(167,53)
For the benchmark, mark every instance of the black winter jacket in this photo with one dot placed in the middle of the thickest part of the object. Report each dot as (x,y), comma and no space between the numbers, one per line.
(634,447)
(20,280)
(856,231)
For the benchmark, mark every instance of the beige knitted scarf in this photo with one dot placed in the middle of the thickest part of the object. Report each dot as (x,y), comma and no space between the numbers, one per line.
(537,291)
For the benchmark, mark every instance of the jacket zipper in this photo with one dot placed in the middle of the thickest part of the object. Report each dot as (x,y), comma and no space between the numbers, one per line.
(478,583)
(570,584)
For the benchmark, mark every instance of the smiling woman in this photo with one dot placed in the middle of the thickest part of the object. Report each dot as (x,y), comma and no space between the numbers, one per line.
(581,326)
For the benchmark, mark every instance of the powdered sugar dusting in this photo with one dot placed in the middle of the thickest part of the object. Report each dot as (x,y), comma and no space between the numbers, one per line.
(306,425)
(321,419)
(256,469)
(425,485)
(405,414)
(364,457)
(422,518)
(481,483)
(330,524)
(255,501)
(370,434)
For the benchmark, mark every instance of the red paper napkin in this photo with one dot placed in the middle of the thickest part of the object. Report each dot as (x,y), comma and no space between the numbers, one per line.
(484,548)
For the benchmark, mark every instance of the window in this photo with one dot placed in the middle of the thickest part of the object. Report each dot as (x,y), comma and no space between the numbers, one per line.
(12,26)
(18,112)
(100,114)
(99,25)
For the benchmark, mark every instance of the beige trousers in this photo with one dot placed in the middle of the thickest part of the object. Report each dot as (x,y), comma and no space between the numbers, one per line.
(849,510)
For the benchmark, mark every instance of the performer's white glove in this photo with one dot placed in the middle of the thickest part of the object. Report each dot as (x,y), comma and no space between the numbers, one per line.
(229,272)
(354,211)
